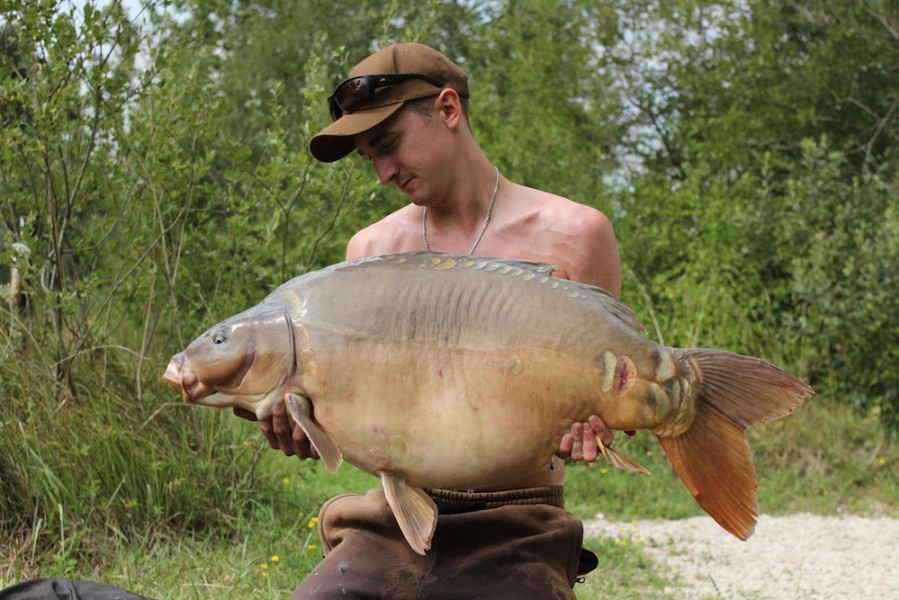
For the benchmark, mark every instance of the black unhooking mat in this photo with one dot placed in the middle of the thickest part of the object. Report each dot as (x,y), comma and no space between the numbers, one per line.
(65,589)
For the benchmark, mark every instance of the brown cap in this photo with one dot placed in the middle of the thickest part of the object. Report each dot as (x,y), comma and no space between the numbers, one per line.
(335,141)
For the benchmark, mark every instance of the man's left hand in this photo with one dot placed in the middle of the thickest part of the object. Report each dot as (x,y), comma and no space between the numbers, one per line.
(580,442)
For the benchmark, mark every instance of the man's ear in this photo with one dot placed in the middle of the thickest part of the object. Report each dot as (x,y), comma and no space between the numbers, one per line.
(449,108)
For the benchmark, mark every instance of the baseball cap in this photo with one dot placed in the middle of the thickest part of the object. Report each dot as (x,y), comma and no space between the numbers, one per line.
(335,141)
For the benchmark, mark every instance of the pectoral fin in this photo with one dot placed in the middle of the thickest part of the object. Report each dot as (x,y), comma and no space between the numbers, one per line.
(617,459)
(414,510)
(301,412)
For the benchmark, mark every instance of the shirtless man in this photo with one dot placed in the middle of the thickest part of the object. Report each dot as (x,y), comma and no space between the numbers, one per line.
(517,541)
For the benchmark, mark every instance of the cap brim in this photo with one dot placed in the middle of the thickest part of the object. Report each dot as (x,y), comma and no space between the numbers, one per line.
(336,140)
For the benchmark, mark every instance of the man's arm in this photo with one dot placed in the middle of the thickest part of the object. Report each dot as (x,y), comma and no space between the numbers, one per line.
(593,259)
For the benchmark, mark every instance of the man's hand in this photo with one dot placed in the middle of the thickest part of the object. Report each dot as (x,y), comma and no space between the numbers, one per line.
(580,442)
(281,432)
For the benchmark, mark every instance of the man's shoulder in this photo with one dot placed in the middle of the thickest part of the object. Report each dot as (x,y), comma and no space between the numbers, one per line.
(566,214)
(577,237)
(390,234)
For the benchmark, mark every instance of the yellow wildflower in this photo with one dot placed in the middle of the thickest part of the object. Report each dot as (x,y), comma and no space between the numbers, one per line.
(276,558)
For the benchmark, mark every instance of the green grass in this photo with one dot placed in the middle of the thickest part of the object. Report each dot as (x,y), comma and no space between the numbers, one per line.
(624,571)
(823,459)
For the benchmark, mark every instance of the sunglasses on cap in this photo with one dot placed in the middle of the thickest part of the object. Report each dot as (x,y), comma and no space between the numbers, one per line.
(356,92)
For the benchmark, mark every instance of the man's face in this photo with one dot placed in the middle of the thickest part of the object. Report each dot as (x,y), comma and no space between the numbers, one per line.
(404,150)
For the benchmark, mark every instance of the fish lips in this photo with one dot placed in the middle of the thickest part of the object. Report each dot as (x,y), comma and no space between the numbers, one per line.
(180,375)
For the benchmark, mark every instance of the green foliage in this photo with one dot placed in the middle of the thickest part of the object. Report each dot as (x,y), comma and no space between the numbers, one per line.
(844,268)
(122,194)
(540,102)
(763,220)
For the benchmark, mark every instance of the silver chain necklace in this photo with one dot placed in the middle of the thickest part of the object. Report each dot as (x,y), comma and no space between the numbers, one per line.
(477,240)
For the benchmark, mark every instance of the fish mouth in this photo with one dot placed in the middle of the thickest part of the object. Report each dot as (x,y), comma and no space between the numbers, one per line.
(179,374)
(172,373)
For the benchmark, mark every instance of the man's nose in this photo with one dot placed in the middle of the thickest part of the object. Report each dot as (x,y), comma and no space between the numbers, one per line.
(385,170)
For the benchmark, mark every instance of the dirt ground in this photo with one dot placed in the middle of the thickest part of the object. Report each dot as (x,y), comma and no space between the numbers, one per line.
(793,557)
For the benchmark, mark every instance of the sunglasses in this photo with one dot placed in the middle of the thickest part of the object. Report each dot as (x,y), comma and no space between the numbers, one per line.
(356,92)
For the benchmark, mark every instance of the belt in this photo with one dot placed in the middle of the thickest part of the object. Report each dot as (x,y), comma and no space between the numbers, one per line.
(455,501)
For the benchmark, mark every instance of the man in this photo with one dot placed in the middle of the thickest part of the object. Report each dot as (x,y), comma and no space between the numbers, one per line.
(405,109)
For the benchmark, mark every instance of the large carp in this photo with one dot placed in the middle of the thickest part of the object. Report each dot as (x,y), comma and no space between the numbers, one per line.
(417,367)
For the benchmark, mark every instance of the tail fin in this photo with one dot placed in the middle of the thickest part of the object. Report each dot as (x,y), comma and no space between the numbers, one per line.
(712,457)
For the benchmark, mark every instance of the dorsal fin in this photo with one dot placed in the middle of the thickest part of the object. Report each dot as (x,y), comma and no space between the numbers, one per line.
(421,257)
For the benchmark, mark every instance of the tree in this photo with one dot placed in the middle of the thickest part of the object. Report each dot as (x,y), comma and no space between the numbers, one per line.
(772,134)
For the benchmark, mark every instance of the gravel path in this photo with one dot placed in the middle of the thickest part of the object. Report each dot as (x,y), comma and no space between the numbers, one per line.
(800,556)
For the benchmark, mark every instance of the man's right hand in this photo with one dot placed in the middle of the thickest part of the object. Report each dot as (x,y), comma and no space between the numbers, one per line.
(281,432)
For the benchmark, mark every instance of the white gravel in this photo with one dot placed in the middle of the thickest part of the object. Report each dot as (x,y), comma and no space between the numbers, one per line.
(799,556)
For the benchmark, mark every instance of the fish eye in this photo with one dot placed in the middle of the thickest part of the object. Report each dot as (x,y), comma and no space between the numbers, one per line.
(219,336)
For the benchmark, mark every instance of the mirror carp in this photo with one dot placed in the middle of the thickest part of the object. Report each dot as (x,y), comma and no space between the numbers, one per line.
(418,367)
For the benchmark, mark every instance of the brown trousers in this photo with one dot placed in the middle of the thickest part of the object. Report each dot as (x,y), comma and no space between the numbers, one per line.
(498,546)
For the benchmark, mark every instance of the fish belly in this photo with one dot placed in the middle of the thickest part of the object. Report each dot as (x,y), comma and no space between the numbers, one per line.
(462,418)
(446,418)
